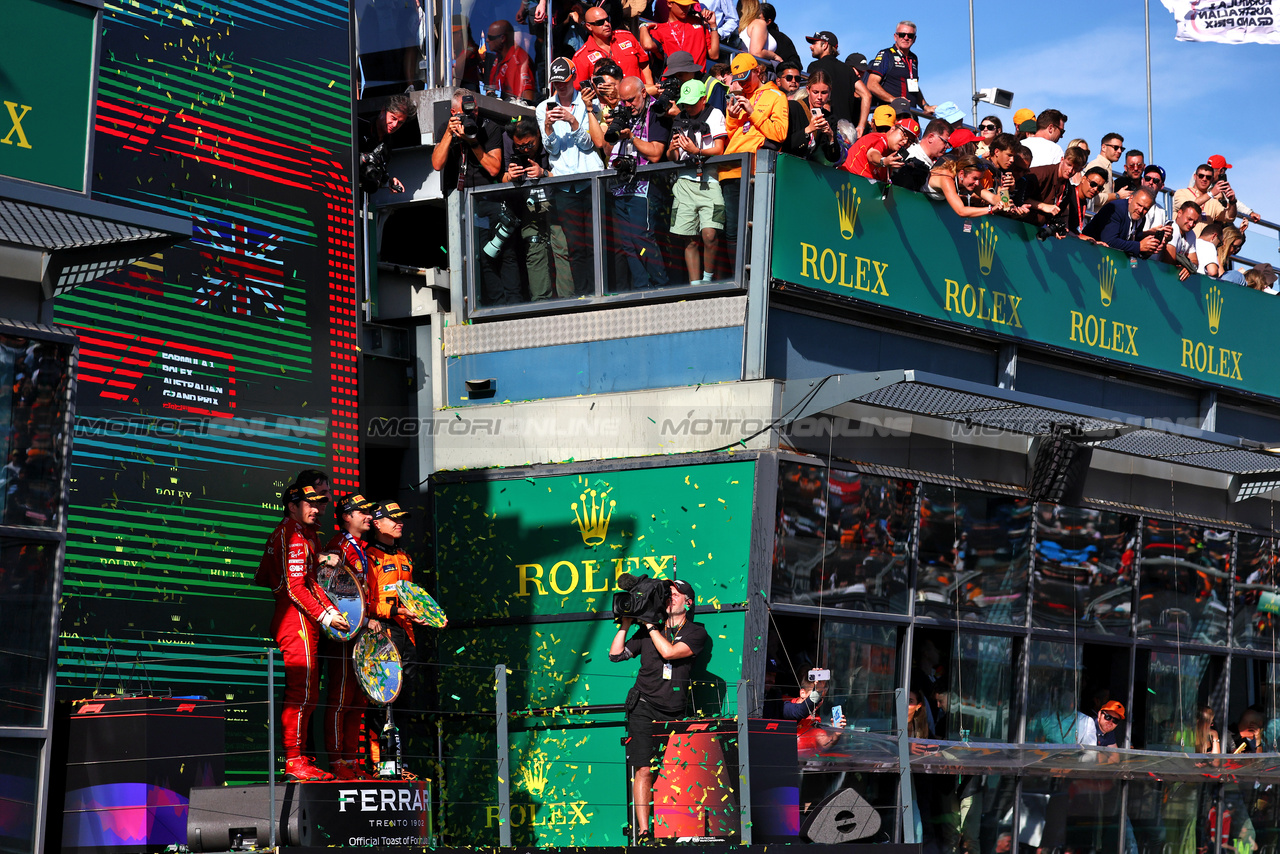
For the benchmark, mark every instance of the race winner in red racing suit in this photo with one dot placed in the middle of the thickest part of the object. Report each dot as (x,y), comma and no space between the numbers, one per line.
(288,569)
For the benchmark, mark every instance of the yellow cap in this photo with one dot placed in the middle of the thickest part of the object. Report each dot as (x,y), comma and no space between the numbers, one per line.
(1023,115)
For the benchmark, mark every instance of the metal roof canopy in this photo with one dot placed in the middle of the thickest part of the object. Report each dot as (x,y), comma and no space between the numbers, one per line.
(59,239)
(1254,469)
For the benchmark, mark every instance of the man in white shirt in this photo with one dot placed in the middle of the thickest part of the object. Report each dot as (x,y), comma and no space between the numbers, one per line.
(1100,730)
(1182,239)
(1045,150)
(1153,180)
(1108,153)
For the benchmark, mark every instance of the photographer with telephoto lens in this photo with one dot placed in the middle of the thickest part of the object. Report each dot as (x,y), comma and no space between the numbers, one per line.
(636,133)
(531,205)
(468,153)
(697,204)
(569,131)
(661,692)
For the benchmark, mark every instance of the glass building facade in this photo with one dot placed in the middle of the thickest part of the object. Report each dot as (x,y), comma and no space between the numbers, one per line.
(1011,624)
(35,395)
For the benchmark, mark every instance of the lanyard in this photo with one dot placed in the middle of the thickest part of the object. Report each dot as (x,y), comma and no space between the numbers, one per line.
(355,544)
(911,71)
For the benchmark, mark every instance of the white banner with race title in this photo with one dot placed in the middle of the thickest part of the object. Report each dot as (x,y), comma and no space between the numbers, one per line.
(1226,21)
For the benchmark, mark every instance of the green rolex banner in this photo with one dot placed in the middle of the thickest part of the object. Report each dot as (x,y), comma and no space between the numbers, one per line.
(834,232)
(47,74)
(556,545)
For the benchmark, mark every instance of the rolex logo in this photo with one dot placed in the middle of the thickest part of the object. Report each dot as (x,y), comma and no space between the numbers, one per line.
(847,202)
(593,516)
(1214,298)
(987,238)
(534,775)
(1107,279)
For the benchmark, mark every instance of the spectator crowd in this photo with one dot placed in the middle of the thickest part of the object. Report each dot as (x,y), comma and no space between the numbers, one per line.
(684,81)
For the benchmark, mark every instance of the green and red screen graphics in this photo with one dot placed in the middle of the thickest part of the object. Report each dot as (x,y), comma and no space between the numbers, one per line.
(214,370)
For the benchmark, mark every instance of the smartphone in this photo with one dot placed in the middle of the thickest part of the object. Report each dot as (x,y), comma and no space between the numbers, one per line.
(836,713)
(815,112)
(819,674)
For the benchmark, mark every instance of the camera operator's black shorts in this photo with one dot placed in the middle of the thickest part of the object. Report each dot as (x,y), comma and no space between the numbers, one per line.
(644,731)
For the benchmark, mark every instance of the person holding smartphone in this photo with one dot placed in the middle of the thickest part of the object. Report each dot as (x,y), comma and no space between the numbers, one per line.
(697,211)
(1211,190)
(569,135)
(811,124)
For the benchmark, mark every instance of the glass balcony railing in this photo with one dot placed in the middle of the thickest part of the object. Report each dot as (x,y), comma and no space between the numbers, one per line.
(603,237)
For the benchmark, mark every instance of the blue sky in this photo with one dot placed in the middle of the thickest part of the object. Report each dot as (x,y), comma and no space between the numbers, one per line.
(1087,59)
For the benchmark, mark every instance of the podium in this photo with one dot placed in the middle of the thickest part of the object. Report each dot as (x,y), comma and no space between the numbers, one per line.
(341,813)
(695,793)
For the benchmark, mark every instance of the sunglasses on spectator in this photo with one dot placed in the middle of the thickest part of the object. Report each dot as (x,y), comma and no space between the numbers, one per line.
(987,126)
(1205,176)
(1111,718)
(597,22)
(911,36)
(791,77)
(1097,185)
(1113,145)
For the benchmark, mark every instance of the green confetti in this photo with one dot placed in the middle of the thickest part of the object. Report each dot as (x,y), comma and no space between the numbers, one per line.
(459,650)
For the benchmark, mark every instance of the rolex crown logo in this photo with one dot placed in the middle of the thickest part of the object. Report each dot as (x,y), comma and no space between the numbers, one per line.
(987,238)
(593,516)
(1214,298)
(534,775)
(847,202)
(1107,279)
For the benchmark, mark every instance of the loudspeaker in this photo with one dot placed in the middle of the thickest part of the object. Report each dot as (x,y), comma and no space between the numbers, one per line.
(1000,97)
(843,817)
(224,818)
(1057,466)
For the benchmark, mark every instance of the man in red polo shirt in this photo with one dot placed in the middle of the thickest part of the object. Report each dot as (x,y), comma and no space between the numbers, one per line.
(603,42)
(686,30)
(511,73)
(874,154)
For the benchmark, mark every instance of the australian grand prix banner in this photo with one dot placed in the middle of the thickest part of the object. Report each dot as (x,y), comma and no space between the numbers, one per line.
(211,372)
(1226,21)
(833,232)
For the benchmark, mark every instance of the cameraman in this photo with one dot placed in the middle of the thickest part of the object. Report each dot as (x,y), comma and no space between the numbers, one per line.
(661,692)
(568,133)
(698,205)
(526,164)
(600,94)
(636,134)
(374,136)
(470,148)
(680,70)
